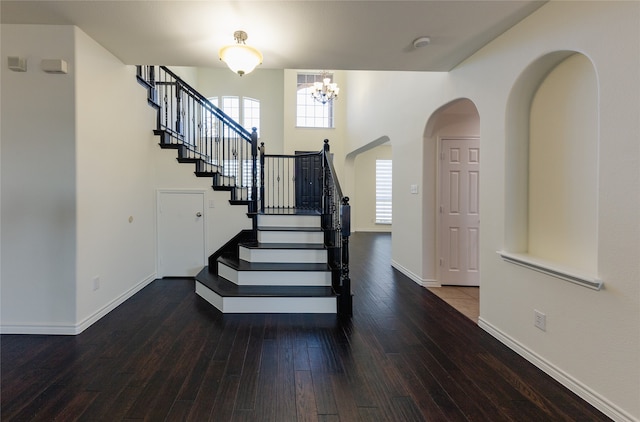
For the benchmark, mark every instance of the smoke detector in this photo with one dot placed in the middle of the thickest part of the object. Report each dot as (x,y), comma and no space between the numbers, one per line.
(421,42)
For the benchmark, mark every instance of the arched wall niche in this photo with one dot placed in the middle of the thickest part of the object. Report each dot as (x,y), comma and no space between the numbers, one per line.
(551,163)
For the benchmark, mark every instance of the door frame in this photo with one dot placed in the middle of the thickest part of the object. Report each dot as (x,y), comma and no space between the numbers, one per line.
(438,228)
(205,228)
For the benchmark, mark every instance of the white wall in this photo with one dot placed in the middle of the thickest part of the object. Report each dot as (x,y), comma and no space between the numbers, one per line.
(38,181)
(80,172)
(593,337)
(583,326)
(115,181)
(397,106)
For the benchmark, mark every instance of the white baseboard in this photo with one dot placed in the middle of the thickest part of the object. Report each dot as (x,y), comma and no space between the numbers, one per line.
(583,391)
(48,329)
(91,319)
(424,282)
(372,230)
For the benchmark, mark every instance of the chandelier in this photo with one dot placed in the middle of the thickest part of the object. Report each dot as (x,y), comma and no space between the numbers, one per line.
(326,90)
(240,57)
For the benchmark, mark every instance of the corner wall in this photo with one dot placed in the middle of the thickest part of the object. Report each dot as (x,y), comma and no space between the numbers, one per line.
(592,339)
(115,203)
(38,182)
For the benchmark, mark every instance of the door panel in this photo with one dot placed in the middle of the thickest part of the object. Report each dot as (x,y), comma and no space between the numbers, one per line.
(181,239)
(459,212)
(308,181)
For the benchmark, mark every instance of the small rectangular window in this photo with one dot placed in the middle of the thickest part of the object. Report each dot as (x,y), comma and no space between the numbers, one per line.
(309,112)
(383,191)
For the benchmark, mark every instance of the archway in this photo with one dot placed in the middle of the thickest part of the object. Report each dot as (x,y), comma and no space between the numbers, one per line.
(453,128)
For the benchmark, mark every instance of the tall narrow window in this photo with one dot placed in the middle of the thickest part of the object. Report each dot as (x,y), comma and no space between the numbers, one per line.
(383,191)
(309,112)
(251,113)
(231,106)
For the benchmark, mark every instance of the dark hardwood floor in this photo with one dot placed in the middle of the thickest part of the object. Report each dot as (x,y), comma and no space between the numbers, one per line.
(165,354)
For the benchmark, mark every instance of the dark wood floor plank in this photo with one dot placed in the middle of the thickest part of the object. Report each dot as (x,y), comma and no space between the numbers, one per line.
(203,405)
(306,409)
(222,406)
(249,377)
(285,385)
(166,354)
(325,401)
(266,394)
(179,411)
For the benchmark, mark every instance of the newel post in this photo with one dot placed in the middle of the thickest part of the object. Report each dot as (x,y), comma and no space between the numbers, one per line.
(261,177)
(254,179)
(345,306)
(326,188)
(254,171)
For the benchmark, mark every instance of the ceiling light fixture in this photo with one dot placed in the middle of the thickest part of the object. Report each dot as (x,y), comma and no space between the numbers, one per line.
(326,90)
(240,57)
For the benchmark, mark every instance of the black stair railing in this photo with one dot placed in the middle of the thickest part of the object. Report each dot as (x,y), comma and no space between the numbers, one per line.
(307,182)
(203,133)
(278,184)
(337,228)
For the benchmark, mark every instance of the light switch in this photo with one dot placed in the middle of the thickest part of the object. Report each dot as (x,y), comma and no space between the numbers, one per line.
(414,189)
(211,204)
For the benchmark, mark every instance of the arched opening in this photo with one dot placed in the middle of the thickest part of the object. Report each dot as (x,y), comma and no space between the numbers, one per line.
(360,165)
(451,201)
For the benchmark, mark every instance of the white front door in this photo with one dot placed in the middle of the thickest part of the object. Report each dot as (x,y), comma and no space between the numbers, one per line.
(459,212)
(181,233)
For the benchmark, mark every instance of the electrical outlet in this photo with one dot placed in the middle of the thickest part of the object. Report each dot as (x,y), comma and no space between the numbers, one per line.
(540,320)
(96,283)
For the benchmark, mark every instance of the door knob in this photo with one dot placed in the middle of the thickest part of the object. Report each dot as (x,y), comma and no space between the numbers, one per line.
(198,214)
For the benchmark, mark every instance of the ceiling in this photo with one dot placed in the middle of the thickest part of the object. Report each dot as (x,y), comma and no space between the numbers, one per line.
(293,34)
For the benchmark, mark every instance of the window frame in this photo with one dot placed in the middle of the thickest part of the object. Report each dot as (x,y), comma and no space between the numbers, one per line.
(311,114)
(384,191)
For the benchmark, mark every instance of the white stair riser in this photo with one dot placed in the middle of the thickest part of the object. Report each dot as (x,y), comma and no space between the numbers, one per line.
(275,278)
(281,305)
(310,256)
(268,220)
(290,237)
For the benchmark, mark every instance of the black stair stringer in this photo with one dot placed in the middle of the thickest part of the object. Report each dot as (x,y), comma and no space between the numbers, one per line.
(202,168)
(230,249)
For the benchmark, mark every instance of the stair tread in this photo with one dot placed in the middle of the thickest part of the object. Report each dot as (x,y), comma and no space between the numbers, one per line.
(305,246)
(242,265)
(289,229)
(226,288)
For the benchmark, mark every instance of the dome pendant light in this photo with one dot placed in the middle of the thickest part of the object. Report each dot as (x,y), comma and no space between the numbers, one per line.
(240,58)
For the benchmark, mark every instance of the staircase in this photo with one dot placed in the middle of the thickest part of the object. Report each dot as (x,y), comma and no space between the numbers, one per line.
(285,270)
(295,259)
